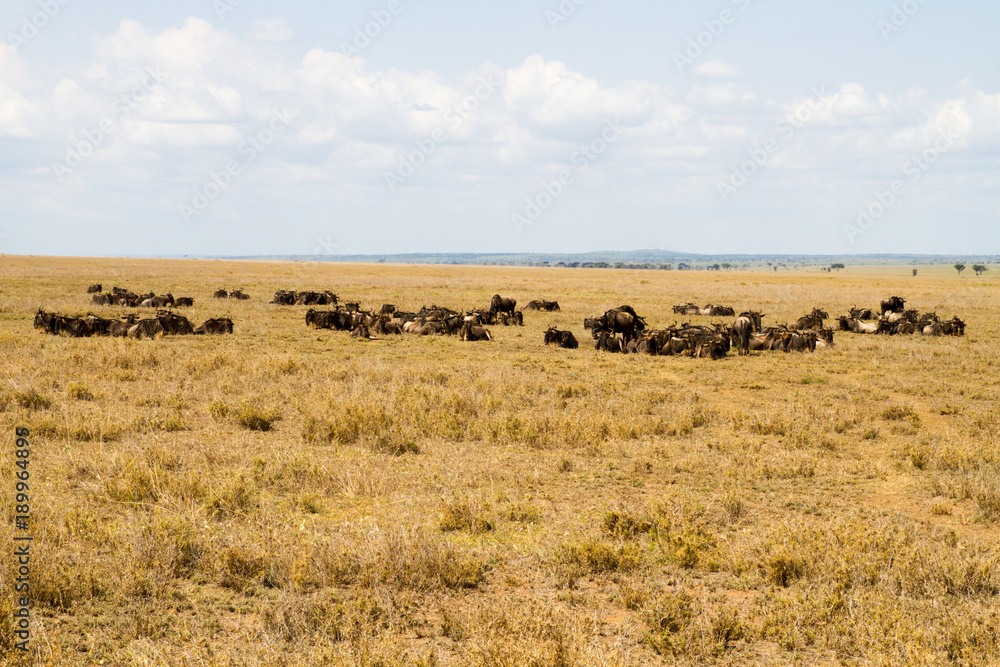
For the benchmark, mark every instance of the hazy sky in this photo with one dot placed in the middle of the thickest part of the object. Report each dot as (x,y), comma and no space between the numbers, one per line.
(235,127)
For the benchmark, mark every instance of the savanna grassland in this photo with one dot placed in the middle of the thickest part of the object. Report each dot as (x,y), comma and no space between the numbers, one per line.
(290,496)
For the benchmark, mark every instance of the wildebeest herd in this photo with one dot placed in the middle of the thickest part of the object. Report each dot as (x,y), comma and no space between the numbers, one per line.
(131,325)
(896,319)
(618,329)
(119,296)
(468,325)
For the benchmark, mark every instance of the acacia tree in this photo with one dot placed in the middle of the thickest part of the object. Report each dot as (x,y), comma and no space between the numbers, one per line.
(960,267)
(979,268)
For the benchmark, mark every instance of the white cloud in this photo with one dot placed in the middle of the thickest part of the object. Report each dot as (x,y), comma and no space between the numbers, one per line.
(716,69)
(271,30)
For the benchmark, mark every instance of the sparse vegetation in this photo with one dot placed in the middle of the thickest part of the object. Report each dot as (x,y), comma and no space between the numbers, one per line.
(289,496)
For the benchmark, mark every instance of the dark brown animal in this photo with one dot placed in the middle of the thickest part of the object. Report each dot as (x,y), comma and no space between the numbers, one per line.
(471,332)
(183,301)
(220,325)
(94,288)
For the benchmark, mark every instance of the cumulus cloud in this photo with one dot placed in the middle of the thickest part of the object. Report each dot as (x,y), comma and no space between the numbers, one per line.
(499,126)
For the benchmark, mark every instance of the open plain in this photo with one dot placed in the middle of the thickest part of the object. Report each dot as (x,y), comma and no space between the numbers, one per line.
(292,496)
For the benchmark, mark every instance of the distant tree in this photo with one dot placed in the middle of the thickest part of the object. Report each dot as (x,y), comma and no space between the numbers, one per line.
(715,267)
(979,268)
(682,266)
(914,272)
(838,267)
(960,267)
(727,266)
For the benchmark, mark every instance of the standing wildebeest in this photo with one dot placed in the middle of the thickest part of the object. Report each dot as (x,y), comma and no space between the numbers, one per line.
(500,304)
(94,288)
(746,324)
(623,320)
(893,304)
(221,325)
(561,338)
(471,332)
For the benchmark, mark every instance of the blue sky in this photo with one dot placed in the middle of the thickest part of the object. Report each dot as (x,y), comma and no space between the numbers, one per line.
(220,127)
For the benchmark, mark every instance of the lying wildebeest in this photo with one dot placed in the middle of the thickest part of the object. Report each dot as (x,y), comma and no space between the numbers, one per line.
(893,304)
(238,294)
(561,338)
(221,294)
(183,301)
(857,326)
(541,304)
(515,318)
(710,347)
(101,299)
(471,332)
(94,288)
(387,309)
(148,328)
(174,324)
(746,324)
(718,311)
(499,304)
(608,343)
(862,313)
(219,325)
(46,321)
(158,301)
(361,331)
(687,309)
(953,327)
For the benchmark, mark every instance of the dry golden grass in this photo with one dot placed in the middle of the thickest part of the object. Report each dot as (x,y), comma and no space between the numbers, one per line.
(291,496)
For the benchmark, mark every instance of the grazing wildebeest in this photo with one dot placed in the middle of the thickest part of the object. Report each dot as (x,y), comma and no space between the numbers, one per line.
(94,288)
(221,294)
(471,332)
(561,338)
(499,304)
(746,324)
(893,304)
(219,325)
(182,301)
